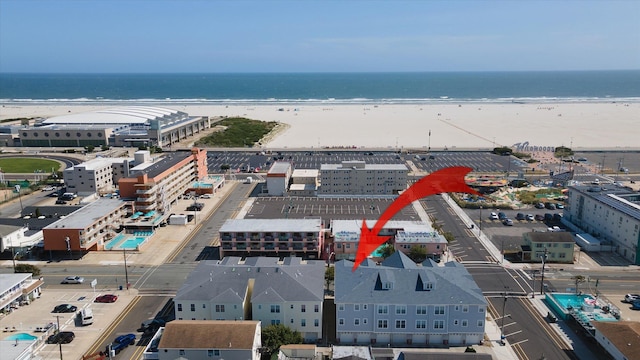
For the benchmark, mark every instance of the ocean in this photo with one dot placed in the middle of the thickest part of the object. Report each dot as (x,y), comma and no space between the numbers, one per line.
(308,88)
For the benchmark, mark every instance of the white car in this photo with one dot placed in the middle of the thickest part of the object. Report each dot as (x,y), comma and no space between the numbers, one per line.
(493,216)
(629,298)
(48,188)
(73,280)
(205,196)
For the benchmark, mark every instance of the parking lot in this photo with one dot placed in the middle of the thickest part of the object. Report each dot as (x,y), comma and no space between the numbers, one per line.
(27,318)
(342,208)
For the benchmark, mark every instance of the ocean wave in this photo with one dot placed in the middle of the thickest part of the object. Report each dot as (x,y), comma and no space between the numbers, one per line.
(314,101)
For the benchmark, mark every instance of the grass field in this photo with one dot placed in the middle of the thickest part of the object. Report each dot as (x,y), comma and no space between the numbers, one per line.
(27,165)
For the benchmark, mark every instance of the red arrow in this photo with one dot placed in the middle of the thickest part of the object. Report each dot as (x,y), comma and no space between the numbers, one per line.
(444,180)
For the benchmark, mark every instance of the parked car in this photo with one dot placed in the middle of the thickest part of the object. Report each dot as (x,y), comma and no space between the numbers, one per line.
(550,206)
(152,325)
(635,305)
(60,202)
(539,206)
(65,308)
(557,217)
(45,328)
(72,280)
(502,215)
(530,217)
(520,216)
(205,196)
(507,222)
(48,188)
(548,217)
(493,216)
(559,206)
(629,298)
(63,337)
(539,217)
(107,298)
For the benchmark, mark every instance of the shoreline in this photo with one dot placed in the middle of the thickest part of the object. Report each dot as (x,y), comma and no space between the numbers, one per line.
(454,126)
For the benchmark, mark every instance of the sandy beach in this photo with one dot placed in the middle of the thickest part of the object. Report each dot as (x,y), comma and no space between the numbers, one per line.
(583,126)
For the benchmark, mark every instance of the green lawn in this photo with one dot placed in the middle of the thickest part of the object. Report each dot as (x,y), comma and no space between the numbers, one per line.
(240,132)
(27,165)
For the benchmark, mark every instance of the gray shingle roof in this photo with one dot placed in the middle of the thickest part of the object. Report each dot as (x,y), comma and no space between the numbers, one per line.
(452,283)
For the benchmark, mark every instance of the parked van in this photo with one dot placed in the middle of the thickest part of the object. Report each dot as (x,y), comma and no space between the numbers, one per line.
(86,316)
(248,180)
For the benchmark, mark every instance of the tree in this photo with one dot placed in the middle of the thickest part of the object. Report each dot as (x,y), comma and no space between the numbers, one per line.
(329,275)
(276,335)
(562,151)
(387,250)
(417,254)
(225,167)
(28,268)
(503,151)
(90,148)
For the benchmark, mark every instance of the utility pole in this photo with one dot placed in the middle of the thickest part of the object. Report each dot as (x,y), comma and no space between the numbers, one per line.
(126,272)
(544,258)
(17,187)
(480,226)
(504,305)
(57,332)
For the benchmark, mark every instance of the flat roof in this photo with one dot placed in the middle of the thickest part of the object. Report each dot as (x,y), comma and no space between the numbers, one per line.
(617,198)
(301,187)
(272,225)
(305,173)
(87,215)
(124,115)
(97,163)
(366,167)
(161,165)
(279,167)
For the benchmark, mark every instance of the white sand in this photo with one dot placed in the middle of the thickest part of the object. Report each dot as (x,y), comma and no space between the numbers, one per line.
(456,126)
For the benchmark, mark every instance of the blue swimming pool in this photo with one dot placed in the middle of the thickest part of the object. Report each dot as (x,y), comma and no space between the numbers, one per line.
(115,241)
(132,243)
(570,300)
(21,336)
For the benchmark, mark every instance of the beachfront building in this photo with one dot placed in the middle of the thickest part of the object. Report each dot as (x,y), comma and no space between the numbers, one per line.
(208,339)
(557,245)
(153,186)
(288,291)
(278,178)
(86,229)
(399,303)
(357,178)
(611,215)
(272,237)
(126,126)
(304,182)
(405,235)
(17,290)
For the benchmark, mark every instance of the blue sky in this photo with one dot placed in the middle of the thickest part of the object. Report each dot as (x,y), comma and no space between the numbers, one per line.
(317,36)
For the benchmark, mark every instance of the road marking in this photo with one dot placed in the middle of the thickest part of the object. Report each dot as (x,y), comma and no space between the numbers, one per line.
(519,342)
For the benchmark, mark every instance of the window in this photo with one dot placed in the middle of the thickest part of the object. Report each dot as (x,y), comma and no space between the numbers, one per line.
(356,321)
(438,324)
(210,353)
(303,308)
(275,322)
(456,322)
(364,306)
(181,352)
(316,308)
(383,309)
(383,324)
(193,307)
(401,324)
(401,309)
(421,310)
(356,307)
(439,310)
(303,322)
(341,307)
(219,308)
(421,324)
(340,321)
(364,321)
(275,308)
(316,322)
(292,306)
(480,309)
(480,323)
(465,308)
(465,323)
(179,307)
(204,306)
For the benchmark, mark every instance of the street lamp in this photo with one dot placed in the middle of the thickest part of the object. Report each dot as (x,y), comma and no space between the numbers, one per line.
(17,187)
(126,272)
(504,305)
(544,258)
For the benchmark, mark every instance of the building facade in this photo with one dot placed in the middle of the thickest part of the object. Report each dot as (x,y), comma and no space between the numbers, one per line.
(611,215)
(278,178)
(17,290)
(558,246)
(399,303)
(88,228)
(93,176)
(273,291)
(272,237)
(359,178)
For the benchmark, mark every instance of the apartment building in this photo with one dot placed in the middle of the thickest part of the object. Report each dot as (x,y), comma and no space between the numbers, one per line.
(273,291)
(558,246)
(278,178)
(272,237)
(209,339)
(357,178)
(405,235)
(93,176)
(154,186)
(86,229)
(611,214)
(399,303)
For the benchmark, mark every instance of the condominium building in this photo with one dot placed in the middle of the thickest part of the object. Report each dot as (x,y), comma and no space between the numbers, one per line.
(405,235)
(611,214)
(93,176)
(558,246)
(273,291)
(400,303)
(360,178)
(272,237)
(154,186)
(86,229)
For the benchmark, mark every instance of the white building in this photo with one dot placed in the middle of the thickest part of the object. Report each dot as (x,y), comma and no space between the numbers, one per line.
(12,236)
(304,182)
(95,176)
(611,215)
(288,292)
(18,289)
(359,178)
(278,178)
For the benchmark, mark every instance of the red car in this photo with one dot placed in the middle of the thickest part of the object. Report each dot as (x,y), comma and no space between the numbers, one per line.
(108,298)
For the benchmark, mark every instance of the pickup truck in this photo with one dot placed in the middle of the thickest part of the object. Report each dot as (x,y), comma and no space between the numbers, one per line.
(122,342)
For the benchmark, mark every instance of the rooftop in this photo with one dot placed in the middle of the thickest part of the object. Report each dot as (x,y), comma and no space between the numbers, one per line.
(549,236)
(272,225)
(618,198)
(124,115)
(161,165)
(625,336)
(279,167)
(87,215)
(208,334)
